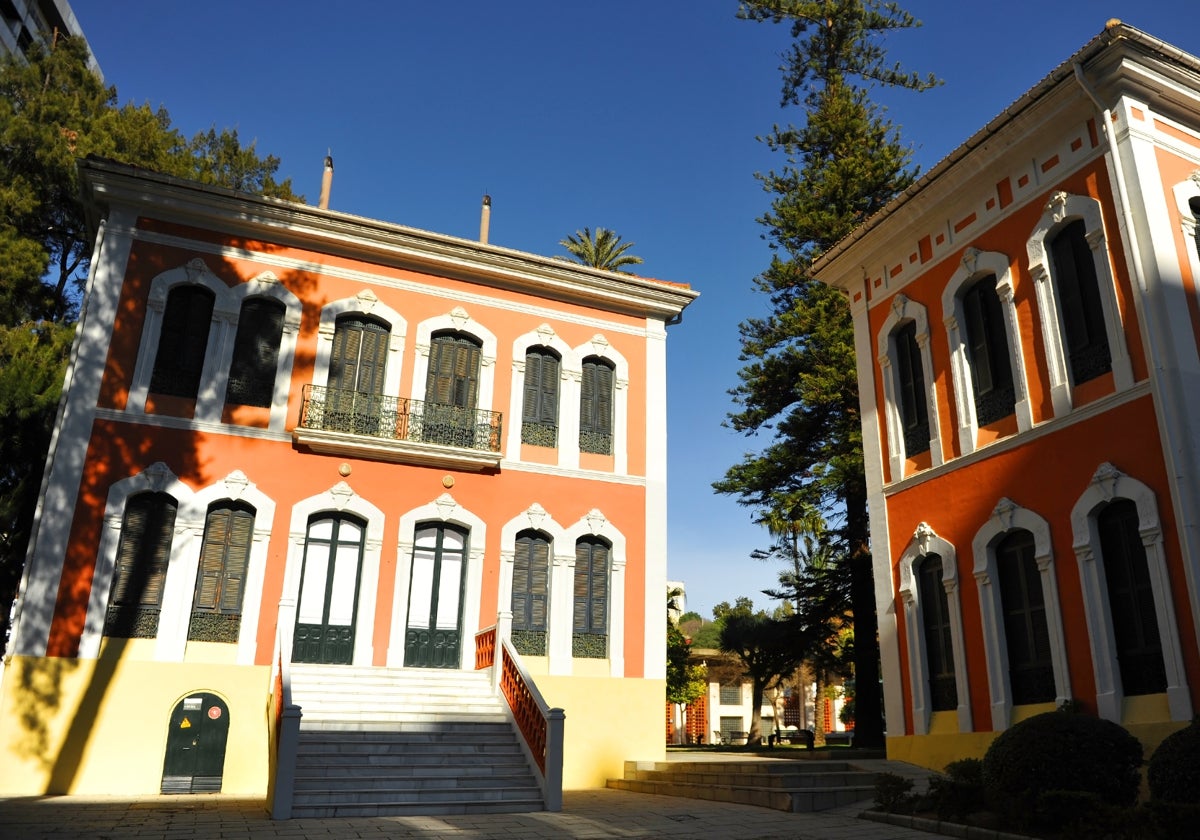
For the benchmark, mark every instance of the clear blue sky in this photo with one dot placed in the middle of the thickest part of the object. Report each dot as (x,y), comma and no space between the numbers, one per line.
(635,115)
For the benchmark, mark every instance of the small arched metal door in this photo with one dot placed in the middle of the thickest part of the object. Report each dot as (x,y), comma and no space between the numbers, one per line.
(196,739)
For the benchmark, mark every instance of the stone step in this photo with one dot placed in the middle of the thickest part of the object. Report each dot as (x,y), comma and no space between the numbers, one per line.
(432,809)
(797,800)
(430,795)
(412,784)
(723,778)
(488,766)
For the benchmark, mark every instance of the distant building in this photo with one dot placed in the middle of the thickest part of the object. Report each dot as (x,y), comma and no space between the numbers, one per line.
(1027,322)
(27,22)
(303,453)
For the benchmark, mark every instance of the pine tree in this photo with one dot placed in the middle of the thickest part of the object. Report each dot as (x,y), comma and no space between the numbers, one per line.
(844,163)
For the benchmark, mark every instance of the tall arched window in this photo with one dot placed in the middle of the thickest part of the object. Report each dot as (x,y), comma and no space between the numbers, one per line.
(914,414)
(987,351)
(221,576)
(327,606)
(1085,336)
(539,415)
(1027,638)
(596,407)
(135,599)
(530,593)
(1131,600)
(452,390)
(590,624)
(935,619)
(256,352)
(186,320)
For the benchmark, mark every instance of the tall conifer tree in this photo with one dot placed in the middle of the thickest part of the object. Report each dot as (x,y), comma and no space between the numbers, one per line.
(843,163)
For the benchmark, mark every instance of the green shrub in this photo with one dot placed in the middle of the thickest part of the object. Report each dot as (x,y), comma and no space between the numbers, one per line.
(893,793)
(959,792)
(1060,751)
(1174,770)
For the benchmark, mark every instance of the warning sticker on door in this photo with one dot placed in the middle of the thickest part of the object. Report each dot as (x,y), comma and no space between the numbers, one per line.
(186,724)
(214,712)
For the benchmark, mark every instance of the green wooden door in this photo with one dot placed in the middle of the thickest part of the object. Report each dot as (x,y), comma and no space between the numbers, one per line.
(328,602)
(196,739)
(433,638)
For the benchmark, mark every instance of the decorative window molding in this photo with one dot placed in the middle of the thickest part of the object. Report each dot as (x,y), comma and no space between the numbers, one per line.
(925,541)
(599,347)
(443,509)
(340,498)
(218,355)
(1062,209)
(1187,201)
(562,556)
(901,312)
(458,321)
(595,524)
(1107,484)
(568,391)
(364,303)
(1006,518)
(976,264)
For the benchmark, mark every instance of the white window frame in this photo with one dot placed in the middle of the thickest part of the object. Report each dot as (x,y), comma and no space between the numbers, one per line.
(902,310)
(1006,518)
(338,499)
(600,347)
(1061,209)
(976,264)
(218,353)
(562,556)
(925,541)
(364,303)
(447,511)
(1108,484)
(570,373)
(595,524)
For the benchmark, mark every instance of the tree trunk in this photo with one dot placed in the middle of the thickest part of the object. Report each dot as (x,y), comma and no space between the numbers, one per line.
(868,694)
(754,736)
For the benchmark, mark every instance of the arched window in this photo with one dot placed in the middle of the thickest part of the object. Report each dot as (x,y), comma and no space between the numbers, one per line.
(596,407)
(1194,206)
(135,599)
(539,415)
(179,363)
(221,576)
(590,625)
(256,352)
(1027,638)
(1085,336)
(988,352)
(358,361)
(1131,600)
(939,650)
(451,390)
(327,607)
(910,372)
(530,591)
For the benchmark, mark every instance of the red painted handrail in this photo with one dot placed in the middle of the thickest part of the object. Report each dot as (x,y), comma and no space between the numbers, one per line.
(530,718)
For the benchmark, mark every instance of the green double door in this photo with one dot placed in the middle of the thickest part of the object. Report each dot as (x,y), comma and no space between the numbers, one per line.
(328,602)
(196,740)
(433,636)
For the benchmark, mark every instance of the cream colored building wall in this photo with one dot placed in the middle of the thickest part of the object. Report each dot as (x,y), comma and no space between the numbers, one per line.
(608,722)
(92,726)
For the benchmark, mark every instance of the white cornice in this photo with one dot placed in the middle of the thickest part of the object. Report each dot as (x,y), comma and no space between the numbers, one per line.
(107,184)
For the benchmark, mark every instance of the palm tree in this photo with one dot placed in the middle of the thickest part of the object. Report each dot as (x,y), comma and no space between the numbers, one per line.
(602,250)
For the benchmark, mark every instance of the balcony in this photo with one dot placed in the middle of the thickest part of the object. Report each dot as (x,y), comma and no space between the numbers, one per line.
(341,422)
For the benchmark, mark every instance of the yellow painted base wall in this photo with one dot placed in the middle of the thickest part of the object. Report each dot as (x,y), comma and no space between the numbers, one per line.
(99,726)
(608,721)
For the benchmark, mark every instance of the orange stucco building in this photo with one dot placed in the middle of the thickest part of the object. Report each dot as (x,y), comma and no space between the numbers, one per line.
(1027,326)
(376,438)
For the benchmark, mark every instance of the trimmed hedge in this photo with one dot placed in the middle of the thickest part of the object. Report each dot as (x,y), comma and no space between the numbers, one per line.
(1174,770)
(1060,751)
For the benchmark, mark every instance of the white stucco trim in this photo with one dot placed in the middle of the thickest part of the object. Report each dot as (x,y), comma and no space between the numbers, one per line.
(1061,209)
(446,510)
(1107,484)
(600,347)
(340,498)
(925,541)
(902,310)
(1006,518)
(976,264)
(654,653)
(544,336)
(368,304)
(562,555)
(595,524)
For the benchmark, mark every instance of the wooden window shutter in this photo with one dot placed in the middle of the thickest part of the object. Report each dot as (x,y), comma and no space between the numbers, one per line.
(145,550)
(531,406)
(520,585)
(182,342)
(1194,206)
(255,352)
(224,558)
(591,587)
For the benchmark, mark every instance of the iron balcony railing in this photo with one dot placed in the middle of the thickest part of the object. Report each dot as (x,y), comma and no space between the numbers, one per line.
(395,418)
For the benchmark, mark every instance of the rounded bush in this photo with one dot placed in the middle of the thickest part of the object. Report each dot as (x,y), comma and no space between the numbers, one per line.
(1174,770)
(1061,751)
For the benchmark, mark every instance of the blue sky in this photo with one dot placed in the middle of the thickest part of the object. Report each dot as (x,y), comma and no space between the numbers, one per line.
(637,115)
